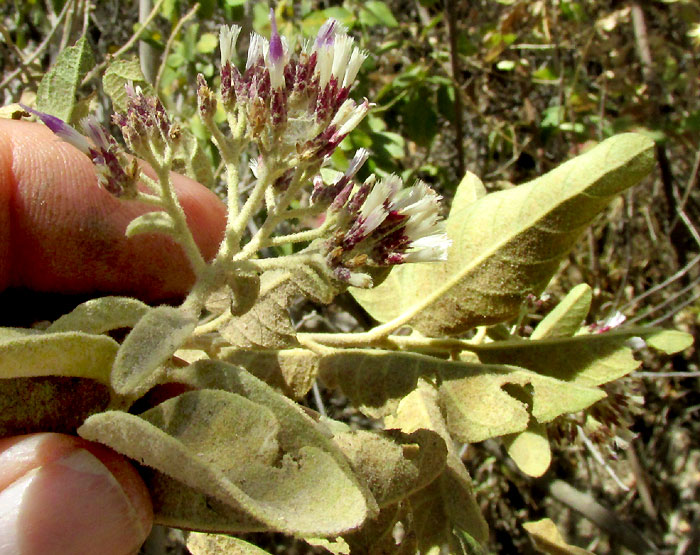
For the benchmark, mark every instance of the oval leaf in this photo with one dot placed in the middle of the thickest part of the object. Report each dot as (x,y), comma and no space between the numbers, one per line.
(101,315)
(568,316)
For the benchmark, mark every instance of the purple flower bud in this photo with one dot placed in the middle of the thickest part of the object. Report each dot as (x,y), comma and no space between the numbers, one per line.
(61,129)
(326,34)
(276,50)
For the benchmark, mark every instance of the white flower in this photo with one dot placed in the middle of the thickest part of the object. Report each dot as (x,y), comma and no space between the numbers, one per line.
(228,35)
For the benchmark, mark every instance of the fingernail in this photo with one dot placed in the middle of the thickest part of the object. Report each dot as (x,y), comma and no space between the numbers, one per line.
(70,505)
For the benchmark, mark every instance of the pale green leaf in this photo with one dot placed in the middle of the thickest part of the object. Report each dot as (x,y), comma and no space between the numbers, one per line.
(548,540)
(336,546)
(48,404)
(669,341)
(58,87)
(71,354)
(151,222)
(377,535)
(199,543)
(588,359)
(530,449)
(473,396)
(190,159)
(117,75)
(393,464)
(489,401)
(151,342)
(568,316)
(238,451)
(508,244)
(290,371)
(101,315)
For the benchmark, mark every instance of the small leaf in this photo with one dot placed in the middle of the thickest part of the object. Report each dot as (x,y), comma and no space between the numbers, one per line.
(290,371)
(117,75)
(567,317)
(374,12)
(151,222)
(191,160)
(530,450)
(669,341)
(101,315)
(152,341)
(58,87)
(71,354)
(508,244)
(548,540)
(337,546)
(469,190)
(216,544)
(394,465)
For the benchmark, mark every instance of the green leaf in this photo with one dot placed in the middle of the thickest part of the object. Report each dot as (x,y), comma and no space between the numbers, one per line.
(58,87)
(476,404)
(72,354)
(588,360)
(568,316)
(290,371)
(101,315)
(509,243)
(207,43)
(393,464)
(151,342)
(117,75)
(530,449)
(253,452)
(191,160)
(151,222)
(48,404)
(469,190)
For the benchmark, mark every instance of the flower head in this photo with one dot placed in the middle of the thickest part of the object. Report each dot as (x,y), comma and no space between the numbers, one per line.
(298,103)
(116,172)
(382,224)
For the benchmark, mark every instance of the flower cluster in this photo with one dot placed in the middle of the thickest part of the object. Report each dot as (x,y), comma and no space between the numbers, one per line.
(383,224)
(117,173)
(145,125)
(294,105)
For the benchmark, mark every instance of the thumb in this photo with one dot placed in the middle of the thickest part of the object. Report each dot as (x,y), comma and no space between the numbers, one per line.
(60,494)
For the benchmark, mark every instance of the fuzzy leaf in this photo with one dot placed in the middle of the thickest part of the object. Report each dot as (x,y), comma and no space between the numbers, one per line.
(239,452)
(568,316)
(152,341)
(469,190)
(216,544)
(587,360)
(547,539)
(267,324)
(477,405)
(446,509)
(58,87)
(290,371)
(530,449)
(394,465)
(48,404)
(376,535)
(496,400)
(191,160)
(508,244)
(151,222)
(101,315)
(117,75)
(337,546)
(71,354)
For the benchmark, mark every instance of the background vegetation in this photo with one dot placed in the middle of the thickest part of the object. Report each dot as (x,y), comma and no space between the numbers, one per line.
(506,89)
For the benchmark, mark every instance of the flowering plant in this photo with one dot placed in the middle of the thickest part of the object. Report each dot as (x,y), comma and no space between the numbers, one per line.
(234,451)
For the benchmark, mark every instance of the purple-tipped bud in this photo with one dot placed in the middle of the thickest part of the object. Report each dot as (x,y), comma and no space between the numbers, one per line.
(61,129)
(326,34)
(276,49)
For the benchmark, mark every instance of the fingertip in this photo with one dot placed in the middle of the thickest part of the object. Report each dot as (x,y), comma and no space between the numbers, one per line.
(70,496)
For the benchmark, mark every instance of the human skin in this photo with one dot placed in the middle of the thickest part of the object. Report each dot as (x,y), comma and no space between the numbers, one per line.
(61,233)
